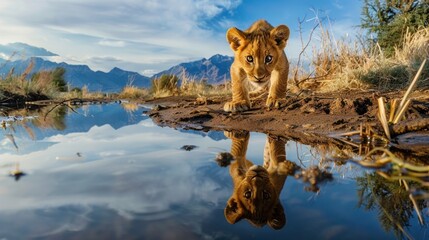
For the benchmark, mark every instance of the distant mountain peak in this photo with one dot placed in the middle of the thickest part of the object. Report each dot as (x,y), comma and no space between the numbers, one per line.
(116,69)
(219,57)
(215,69)
(24,50)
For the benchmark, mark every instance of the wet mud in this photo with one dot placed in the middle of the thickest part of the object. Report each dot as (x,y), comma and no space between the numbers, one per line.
(311,119)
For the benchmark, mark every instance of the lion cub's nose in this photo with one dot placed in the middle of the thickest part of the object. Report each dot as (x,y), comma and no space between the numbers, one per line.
(259,78)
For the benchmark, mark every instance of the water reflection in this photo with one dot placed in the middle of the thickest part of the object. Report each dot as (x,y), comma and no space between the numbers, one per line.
(392,201)
(20,125)
(400,206)
(131,180)
(256,190)
(112,171)
(47,117)
(17,173)
(396,191)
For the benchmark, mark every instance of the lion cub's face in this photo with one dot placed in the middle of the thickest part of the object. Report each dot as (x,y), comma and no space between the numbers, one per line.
(258,50)
(258,60)
(255,198)
(255,191)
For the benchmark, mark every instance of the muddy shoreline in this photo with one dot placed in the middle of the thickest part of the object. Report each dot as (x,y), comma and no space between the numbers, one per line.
(310,119)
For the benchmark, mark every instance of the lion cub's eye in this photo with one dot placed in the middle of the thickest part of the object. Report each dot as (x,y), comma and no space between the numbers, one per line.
(247,194)
(268,59)
(249,59)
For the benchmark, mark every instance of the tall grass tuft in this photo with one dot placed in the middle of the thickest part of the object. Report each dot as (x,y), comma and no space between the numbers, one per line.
(171,85)
(44,83)
(166,85)
(133,92)
(192,87)
(83,93)
(343,65)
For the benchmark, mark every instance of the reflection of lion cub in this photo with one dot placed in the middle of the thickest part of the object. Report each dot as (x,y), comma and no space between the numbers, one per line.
(259,59)
(256,188)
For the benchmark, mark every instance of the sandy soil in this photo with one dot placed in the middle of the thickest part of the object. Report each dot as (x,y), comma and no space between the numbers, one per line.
(310,119)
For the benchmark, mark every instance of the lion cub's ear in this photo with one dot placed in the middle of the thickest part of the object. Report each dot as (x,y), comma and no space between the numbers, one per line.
(233,212)
(235,38)
(280,35)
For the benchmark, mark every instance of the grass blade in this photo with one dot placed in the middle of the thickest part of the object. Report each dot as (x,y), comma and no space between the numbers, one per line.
(411,87)
(392,110)
(401,112)
(382,116)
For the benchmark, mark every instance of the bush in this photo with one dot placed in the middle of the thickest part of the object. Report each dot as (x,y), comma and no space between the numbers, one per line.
(47,82)
(391,20)
(387,77)
(58,79)
(43,83)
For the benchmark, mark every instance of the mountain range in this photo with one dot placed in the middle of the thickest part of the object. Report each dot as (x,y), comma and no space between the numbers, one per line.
(80,75)
(214,70)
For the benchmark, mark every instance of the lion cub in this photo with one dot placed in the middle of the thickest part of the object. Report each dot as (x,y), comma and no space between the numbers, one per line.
(259,63)
(257,189)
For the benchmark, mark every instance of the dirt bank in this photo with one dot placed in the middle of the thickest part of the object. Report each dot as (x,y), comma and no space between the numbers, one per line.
(310,119)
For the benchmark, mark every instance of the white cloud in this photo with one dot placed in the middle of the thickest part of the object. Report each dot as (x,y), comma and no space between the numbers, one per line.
(83,29)
(211,8)
(149,72)
(111,43)
(59,59)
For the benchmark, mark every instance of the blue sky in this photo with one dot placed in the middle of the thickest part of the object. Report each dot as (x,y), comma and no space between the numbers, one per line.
(148,36)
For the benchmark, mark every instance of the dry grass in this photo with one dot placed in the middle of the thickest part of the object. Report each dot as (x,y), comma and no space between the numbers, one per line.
(169,85)
(166,85)
(39,84)
(193,87)
(415,48)
(344,65)
(397,72)
(130,107)
(133,92)
(82,93)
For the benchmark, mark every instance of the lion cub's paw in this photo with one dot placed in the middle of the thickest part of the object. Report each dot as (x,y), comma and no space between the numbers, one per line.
(287,168)
(273,102)
(236,106)
(236,134)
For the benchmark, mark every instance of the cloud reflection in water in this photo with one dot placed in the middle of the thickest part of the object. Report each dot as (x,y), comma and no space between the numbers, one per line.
(137,171)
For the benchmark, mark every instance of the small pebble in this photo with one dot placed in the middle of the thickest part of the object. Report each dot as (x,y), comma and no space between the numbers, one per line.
(223,159)
(188,147)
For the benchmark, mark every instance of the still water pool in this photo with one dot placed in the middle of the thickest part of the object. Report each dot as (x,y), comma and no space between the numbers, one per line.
(107,172)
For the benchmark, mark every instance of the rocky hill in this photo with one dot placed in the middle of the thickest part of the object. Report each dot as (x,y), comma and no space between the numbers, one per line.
(215,69)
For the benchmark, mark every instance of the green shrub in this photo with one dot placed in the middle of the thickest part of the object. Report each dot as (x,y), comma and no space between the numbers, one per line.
(58,79)
(387,77)
(391,20)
